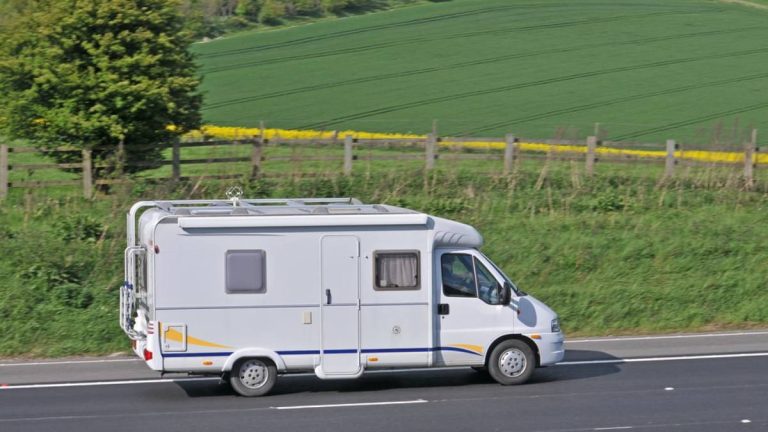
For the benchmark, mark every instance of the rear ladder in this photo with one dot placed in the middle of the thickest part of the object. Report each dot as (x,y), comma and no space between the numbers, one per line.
(128,293)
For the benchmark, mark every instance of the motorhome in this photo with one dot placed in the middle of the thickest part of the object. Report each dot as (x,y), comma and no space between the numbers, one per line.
(250,289)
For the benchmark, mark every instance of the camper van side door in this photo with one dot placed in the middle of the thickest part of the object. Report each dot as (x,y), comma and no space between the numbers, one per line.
(340,306)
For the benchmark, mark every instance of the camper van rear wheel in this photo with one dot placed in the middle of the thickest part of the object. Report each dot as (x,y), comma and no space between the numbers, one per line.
(253,376)
(512,362)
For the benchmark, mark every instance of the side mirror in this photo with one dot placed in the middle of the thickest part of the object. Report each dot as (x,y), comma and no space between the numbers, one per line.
(505,294)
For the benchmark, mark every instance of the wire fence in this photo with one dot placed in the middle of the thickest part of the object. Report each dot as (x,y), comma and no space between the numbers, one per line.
(259,156)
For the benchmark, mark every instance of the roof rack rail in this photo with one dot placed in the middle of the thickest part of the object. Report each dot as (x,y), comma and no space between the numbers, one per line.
(169,205)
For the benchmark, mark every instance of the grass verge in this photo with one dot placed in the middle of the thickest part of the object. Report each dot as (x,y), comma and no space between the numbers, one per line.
(621,252)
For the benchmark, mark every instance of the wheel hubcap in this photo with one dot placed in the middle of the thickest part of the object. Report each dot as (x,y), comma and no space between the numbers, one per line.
(253,374)
(512,362)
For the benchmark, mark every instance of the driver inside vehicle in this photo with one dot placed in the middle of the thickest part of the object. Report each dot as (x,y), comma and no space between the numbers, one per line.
(464,276)
(458,277)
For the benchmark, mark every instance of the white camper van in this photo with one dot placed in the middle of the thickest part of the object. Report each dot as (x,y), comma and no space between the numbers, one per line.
(250,289)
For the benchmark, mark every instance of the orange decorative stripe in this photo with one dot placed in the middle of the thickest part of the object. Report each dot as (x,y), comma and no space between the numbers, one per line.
(174,335)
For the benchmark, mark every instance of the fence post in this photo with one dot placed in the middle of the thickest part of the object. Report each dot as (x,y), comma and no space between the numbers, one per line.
(749,161)
(591,147)
(671,161)
(430,151)
(87,174)
(348,155)
(121,158)
(176,161)
(510,153)
(256,149)
(3,170)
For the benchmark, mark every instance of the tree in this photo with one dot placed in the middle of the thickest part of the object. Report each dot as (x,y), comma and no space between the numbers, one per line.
(113,76)
(249,9)
(272,12)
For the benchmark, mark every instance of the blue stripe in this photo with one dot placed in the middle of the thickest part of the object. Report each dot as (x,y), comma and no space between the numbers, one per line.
(299,352)
(396,350)
(208,354)
(340,351)
(334,351)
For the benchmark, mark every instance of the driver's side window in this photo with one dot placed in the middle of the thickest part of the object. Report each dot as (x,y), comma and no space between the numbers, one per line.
(464,276)
(458,275)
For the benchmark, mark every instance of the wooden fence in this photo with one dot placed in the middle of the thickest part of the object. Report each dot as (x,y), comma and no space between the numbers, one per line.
(506,149)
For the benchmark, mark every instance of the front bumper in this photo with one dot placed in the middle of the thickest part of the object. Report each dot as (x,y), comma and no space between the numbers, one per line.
(551,348)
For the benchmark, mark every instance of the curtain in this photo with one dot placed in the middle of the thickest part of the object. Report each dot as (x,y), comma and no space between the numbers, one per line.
(397,270)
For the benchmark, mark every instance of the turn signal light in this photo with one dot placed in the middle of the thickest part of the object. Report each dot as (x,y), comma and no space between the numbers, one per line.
(147,355)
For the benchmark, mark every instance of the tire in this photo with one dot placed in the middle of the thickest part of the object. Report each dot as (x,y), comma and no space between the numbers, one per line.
(253,376)
(512,362)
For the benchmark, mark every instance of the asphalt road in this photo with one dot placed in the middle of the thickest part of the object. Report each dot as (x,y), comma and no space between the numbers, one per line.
(685,383)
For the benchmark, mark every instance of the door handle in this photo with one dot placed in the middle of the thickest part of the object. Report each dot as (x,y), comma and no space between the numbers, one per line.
(327,296)
(443,309)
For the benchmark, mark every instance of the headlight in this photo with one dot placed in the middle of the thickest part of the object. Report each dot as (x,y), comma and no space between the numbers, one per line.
(556,325)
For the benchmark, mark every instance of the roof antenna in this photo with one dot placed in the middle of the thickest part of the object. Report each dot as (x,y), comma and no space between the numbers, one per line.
(233,194)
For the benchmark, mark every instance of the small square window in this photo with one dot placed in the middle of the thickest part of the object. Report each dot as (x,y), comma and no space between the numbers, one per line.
(397,271)
(246,271)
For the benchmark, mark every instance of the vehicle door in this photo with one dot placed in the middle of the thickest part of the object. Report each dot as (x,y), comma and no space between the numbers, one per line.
(469,315)
(340,305)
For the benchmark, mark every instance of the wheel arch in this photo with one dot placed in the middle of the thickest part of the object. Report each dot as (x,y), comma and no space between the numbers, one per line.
(254,353)
(528,341)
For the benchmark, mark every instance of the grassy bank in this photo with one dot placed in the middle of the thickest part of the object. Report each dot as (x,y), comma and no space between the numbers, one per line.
(617,253)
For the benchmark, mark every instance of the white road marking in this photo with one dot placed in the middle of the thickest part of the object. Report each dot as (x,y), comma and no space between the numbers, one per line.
(669,388)
(130,415)
(296,407)
(613,428)
(661,359)
(103,383)
(568,363)
(683,336)
(66,362)
(576,341)
(745,421)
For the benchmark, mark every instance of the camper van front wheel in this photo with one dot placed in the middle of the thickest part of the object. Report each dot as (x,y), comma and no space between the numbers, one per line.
(511,362)
(253,376)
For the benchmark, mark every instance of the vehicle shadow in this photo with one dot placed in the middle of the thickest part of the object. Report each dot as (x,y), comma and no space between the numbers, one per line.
(579,364)
(432,378)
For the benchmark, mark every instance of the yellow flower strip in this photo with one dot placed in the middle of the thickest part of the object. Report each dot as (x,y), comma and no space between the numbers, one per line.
(224,132)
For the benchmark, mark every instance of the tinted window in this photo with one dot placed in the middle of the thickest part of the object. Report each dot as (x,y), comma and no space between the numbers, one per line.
(458,275)
(487,285)
(246,271)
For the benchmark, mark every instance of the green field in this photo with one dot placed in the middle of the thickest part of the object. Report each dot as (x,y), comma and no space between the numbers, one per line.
(645,70)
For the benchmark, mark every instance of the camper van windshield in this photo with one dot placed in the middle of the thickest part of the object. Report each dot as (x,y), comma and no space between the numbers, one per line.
(517,291)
